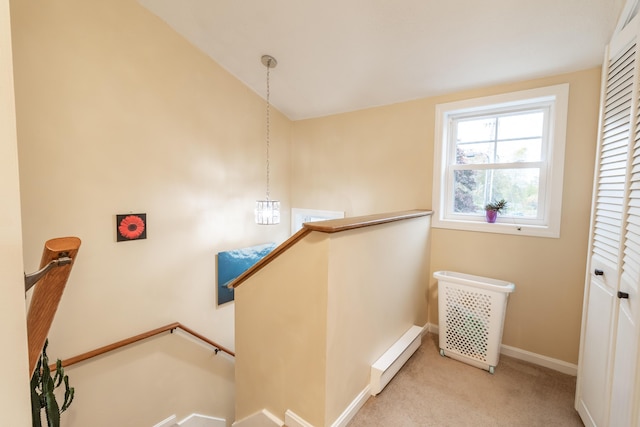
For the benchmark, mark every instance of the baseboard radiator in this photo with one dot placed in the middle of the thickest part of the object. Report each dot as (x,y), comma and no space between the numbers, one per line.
(385,368)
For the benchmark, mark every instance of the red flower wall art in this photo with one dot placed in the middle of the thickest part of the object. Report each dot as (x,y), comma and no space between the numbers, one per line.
(131,227)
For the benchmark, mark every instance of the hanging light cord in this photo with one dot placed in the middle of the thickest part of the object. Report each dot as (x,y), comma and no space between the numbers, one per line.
(268,124)
(268,211)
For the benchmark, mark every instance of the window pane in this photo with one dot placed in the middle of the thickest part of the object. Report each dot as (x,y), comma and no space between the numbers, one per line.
(473,130)
(520,150)
(469,191)
(519,187)
(527,125)
(476,153)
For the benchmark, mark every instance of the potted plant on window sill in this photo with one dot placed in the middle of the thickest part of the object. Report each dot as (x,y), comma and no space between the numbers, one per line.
(494,208)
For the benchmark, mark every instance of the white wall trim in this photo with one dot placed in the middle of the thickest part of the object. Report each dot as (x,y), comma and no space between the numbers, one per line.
(291,419)
(193,420)
(261,418)
(425,329)
(167,422)
(539,359)
(353,408)
(198,420)
(527,356)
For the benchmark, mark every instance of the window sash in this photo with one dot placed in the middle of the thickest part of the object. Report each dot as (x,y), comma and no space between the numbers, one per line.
(452,166)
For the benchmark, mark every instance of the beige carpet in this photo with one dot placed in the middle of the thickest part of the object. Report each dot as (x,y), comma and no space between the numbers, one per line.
(431,390)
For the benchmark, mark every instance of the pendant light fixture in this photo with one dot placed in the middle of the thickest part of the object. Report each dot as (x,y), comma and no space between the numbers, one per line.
(268,211)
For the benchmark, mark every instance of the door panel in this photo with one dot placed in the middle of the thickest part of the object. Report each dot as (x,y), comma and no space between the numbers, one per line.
(592,402)
(624,368)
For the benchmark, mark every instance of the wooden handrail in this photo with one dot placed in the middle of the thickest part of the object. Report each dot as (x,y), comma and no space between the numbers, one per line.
(116,345)
(328,226)
(344,224)
(269,257)
(48,293)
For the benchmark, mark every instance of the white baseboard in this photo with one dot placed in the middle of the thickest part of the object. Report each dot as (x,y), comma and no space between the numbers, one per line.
(426,329)
(538,359)
(291,419)
(353,408)
(193,420)
(167,422)
(585,415)
(197,420)
(527,356)
(261,418)
(431,328)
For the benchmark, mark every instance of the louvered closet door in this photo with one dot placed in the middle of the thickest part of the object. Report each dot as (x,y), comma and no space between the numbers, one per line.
(600,312)
(626,346)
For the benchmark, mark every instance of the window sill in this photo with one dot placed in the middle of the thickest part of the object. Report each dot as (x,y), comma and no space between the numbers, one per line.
(499,227)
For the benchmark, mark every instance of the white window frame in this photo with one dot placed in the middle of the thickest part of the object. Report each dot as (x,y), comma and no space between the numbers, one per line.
(551,180)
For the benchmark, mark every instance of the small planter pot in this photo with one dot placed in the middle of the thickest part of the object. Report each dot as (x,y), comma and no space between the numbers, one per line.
(491,216)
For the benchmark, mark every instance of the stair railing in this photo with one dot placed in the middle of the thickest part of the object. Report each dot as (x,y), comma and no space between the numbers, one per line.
(127,341)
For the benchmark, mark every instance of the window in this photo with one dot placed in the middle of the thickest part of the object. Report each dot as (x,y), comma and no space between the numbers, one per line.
(508,146)
(300,216)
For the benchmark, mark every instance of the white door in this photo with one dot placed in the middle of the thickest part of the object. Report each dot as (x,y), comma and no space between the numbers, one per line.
(600,319)
(626,346)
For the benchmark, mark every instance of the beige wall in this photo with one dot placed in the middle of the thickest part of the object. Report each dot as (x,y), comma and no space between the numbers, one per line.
(381,160)
(377,291)
(369,161)
(14,395)
(281,325)
(312,322)
(150,381)
(116,113)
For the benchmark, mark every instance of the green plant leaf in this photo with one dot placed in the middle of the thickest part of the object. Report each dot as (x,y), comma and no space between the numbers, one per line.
(496,205)
(36,406)
(43,385)
(68,395)
(47,385)
(59,373)
(53,411)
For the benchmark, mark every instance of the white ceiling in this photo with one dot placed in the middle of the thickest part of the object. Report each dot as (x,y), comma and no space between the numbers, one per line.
(343,55)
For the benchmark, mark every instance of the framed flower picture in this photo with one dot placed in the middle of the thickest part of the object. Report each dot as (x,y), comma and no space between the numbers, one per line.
(131,227)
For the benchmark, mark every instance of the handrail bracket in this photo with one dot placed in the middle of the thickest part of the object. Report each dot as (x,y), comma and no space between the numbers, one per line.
(31,279)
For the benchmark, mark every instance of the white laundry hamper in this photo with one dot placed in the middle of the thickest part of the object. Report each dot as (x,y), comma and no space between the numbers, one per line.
(471,317)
